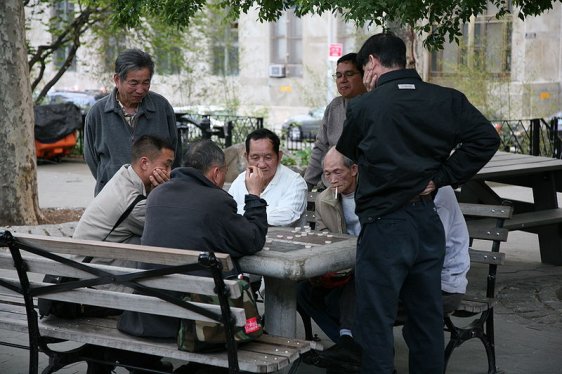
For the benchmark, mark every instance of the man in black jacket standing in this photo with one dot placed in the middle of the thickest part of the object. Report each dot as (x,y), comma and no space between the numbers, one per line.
(409,138)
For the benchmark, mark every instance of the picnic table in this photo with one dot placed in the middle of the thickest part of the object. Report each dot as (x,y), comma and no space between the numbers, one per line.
(542,216)
(291,255)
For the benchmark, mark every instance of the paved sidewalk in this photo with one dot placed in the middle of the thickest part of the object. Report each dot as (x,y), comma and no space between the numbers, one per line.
(528,315)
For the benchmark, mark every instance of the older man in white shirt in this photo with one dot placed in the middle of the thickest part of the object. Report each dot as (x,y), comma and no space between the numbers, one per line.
(285,190)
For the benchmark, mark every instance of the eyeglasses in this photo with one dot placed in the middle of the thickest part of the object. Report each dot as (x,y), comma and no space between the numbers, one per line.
(348,74)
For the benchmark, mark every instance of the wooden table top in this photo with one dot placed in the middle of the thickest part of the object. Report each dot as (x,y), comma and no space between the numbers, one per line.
(505,164)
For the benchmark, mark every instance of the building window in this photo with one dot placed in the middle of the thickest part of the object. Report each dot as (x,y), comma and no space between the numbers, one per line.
(485,45)
(168,59)
(286,43)
(346,34)
(351,34)
(63,13)
(112,46)
(225,50)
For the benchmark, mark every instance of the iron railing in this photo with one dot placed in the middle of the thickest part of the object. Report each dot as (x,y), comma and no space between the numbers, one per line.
(306,142)
(224,130)
(535,136)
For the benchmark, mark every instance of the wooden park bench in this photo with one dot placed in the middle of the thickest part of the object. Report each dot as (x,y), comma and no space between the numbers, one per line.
(487,226)
(27,258)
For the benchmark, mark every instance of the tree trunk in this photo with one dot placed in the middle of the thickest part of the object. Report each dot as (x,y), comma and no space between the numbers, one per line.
(18,167)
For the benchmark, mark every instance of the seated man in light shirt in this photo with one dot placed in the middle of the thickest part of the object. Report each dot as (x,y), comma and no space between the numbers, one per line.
(285,191)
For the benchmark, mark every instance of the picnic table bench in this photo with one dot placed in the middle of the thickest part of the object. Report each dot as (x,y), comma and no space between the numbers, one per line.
(30,257)
(542,216)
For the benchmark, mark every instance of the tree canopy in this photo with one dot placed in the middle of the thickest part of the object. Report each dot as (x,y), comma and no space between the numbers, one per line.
(436,21)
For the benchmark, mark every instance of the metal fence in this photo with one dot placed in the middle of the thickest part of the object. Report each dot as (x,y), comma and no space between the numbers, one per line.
(306,142)
(224,130)
(535,137)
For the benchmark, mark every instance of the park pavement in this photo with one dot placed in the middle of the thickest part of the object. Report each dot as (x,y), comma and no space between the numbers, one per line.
(528,321)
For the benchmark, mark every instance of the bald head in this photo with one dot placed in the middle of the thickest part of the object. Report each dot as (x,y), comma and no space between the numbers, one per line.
(334,156)
(339,171)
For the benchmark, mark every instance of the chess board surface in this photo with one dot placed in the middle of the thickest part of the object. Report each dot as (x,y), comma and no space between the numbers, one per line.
(293,254)
(290,239)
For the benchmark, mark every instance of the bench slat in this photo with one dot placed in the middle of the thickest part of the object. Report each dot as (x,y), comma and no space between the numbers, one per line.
(292,343)
(13,318)
(533,219)
(485,230)
(121,251)
(486,257)
(7,299)
(175,282)
(134,302)
(476,304)
(485,210)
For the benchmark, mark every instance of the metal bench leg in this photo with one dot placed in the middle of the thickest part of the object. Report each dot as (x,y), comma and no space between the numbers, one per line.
(489,353)
(307,323)
(33,358)
(461,335)
(58,360)
(455,340)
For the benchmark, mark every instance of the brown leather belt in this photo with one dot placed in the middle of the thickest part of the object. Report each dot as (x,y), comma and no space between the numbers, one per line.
(420,198)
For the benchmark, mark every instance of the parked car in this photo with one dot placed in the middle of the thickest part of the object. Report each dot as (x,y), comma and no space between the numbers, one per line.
(84,100)
(56,129)
(303,126)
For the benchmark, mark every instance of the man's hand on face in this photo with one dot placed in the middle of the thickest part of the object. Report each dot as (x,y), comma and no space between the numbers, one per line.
(369,79)
(158,177)
(255,181)
(369,75)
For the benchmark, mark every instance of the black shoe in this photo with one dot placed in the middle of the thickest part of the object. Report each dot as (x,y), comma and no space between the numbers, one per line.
(344,356)
(310,357)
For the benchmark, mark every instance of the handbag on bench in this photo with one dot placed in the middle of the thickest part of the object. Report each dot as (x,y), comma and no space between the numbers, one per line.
(200,336)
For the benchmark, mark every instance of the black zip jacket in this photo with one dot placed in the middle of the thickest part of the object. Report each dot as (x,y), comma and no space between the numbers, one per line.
(190,212)
(402,134)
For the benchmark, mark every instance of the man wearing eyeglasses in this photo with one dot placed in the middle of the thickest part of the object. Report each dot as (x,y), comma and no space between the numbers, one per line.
(349,81)
(129,112)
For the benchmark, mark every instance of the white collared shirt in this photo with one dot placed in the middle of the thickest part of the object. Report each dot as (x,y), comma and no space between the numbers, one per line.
(285,195)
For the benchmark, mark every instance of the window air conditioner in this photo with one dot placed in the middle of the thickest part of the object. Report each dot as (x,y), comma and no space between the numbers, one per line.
(277,71)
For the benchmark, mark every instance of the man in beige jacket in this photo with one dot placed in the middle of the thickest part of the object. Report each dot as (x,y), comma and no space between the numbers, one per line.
(335,206)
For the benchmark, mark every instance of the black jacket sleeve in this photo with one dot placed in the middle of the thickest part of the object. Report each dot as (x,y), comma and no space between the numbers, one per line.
(478,141)
(245,235)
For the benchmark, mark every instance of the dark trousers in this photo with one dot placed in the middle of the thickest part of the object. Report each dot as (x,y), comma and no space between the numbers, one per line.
(399,257)
(332,309)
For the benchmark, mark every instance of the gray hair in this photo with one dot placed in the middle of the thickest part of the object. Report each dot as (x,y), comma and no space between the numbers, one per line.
(133,59)
(203,155)
(347,162)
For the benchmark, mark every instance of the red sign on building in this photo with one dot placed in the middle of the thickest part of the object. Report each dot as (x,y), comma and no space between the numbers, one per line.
(335,51)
